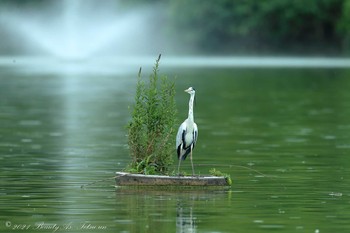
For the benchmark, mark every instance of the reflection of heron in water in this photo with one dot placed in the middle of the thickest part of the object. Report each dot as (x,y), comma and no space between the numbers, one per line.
(185,221)
(187,134)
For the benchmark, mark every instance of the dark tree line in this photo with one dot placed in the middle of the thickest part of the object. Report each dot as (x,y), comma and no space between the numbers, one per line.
(294,26)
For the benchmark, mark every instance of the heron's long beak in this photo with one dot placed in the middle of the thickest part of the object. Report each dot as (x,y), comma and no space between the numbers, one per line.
(187,90)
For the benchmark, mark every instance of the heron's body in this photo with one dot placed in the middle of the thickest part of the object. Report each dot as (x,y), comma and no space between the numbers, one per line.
(186,139)
(187,134)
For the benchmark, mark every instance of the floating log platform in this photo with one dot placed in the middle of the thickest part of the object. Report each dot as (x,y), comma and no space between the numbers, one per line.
(129,179)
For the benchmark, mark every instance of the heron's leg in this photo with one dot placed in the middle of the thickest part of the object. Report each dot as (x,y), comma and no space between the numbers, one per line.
(178,167)
(192,163)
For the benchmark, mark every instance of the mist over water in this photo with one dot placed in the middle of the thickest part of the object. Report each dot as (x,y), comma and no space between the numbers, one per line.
(109,37)
(74,30)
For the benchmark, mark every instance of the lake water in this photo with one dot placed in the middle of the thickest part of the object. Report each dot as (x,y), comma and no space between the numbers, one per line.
(281,133)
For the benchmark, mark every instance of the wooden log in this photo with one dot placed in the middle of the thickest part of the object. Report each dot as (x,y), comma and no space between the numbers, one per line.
(128,179)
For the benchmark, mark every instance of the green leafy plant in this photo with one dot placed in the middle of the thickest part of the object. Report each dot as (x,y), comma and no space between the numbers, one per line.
(151,129)
(215,172)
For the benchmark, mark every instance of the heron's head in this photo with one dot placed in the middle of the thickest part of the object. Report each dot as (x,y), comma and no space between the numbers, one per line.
(190,91)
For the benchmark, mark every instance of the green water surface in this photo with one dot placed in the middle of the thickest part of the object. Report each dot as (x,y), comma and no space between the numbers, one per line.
(282,135)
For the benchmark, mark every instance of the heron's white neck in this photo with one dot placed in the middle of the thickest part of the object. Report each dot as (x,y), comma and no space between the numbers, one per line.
(190,108)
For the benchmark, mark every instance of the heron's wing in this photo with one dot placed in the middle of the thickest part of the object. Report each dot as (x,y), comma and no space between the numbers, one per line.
(195,131)
(180,132)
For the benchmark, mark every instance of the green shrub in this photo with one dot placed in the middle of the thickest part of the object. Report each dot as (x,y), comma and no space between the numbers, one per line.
(151,130)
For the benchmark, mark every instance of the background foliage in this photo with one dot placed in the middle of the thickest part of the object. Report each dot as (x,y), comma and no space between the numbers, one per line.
(298,26)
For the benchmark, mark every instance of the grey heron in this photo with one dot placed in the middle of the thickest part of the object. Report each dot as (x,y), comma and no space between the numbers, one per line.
(187,134)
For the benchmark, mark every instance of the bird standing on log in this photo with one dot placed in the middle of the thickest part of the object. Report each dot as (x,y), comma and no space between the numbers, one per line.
(187,134)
